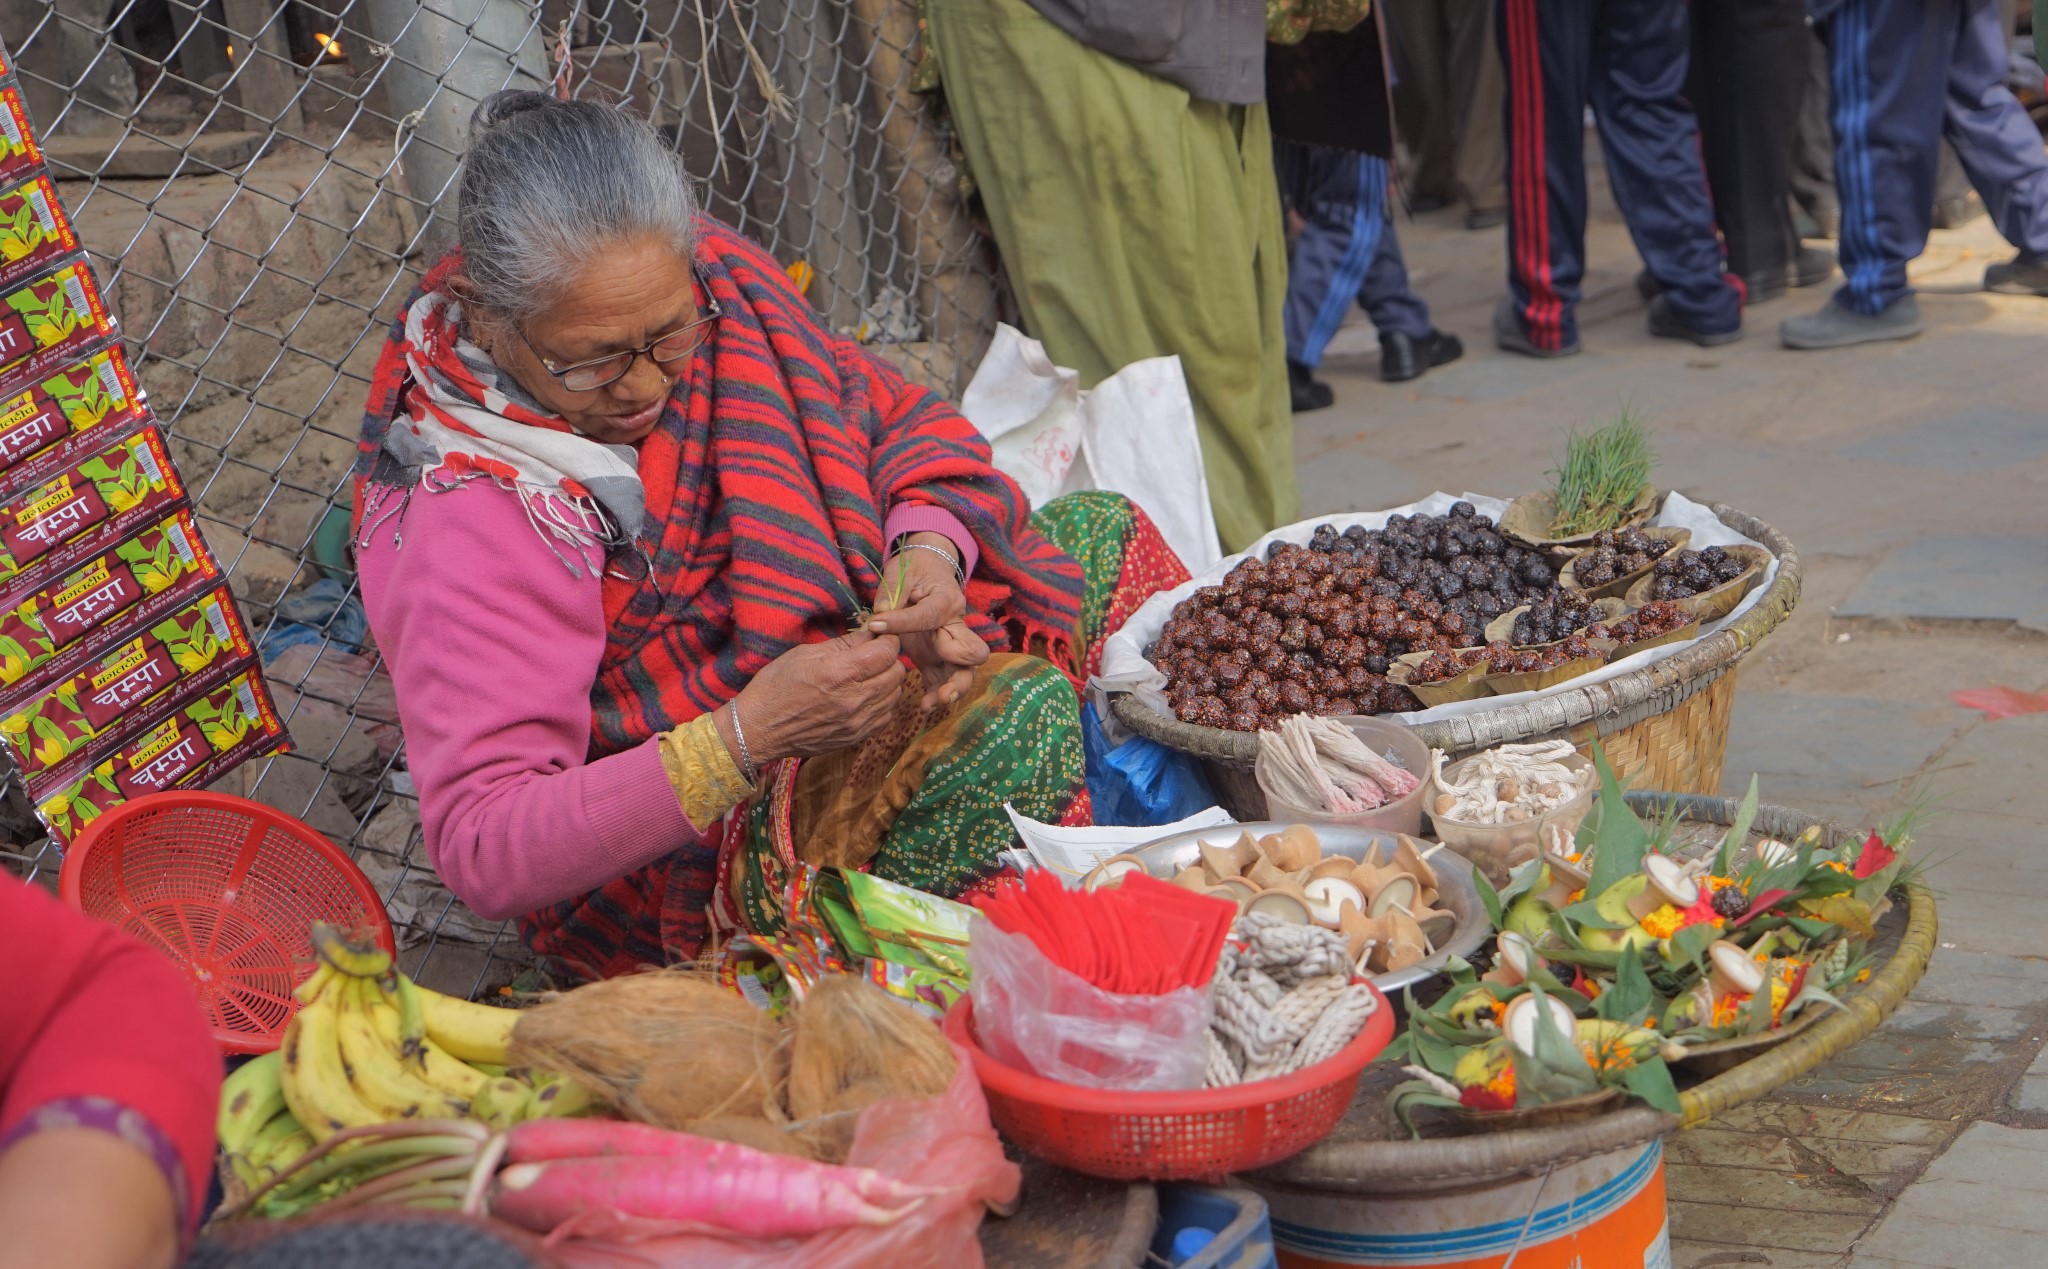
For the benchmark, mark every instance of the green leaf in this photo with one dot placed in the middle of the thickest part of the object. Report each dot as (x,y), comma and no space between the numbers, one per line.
(1489,898)
(1618,848)
(1556,1070)
(1689,946)
(1738,831)
(1585,913)
(1650,1080)
(1629,998)
(1755,1017)
(1812,927)
(1851,914)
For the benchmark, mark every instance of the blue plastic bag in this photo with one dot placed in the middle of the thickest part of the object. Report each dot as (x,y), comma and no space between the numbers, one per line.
(1140,783)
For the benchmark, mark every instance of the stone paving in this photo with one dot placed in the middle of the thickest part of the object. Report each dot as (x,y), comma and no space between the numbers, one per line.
(1913,477)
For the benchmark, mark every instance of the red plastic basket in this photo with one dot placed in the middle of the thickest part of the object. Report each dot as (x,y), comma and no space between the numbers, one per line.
(228,888)
(1185,1135)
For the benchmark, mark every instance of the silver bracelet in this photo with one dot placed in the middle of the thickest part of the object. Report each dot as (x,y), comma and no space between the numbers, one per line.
(959,567)
(739,733)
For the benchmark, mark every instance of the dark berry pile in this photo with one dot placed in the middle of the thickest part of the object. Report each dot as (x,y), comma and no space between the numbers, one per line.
(1729,902)
(1659,617)
(1548,620)
(1617,553)
(1503,657)
(1313,628)
(1438,666)
(1683,574)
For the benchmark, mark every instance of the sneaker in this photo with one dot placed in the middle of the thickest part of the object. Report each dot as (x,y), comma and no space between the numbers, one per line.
(1647,285)
(2018,276)
(1837,327)
(1509,335)
(1404,357)
(1306,391)
(1666,324)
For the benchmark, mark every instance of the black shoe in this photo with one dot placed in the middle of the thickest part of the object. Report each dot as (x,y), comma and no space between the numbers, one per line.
(1954,213)
(1666,324)
(1647,285)
(1486,218)
(2018,276)
(1305,391)
(1404,357)
(1423,204)
(1510,336)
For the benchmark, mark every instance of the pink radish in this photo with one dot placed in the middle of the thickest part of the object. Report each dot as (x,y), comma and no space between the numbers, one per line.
(765,1196)
(544,1140)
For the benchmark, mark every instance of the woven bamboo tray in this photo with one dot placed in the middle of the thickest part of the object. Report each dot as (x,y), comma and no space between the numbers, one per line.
(1663,727)
(1368,1154)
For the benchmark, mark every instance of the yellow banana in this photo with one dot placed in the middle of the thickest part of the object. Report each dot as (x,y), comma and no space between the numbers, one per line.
(249,1098)
(504,1102)
(374,1068)
(309,991)
(423,1058)
(412,1023)
(472,1032)
(357,960)
(316,1085)
(563,1098)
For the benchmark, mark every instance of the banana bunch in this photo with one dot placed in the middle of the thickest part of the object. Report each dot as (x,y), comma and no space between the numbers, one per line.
(370,1046)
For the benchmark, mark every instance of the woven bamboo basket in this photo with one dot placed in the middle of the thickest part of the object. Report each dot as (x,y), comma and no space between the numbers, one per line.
(1369,1155)
(1663,727)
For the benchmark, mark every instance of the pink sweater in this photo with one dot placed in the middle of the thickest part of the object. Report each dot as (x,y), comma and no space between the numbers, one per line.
(493,648)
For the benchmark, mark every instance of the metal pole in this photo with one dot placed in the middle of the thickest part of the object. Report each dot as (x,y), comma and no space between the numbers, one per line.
(446,56)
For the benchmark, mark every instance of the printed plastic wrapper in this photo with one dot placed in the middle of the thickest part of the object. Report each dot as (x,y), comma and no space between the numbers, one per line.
(148,574)
(202,641)
(19,153)
(53,318)
(196,742)
(126,484)
(1035,1016)
(945,1141)
(39,424)
(33,229)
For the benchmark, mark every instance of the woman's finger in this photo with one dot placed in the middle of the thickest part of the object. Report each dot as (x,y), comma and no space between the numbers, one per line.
(932,609)
(958,645)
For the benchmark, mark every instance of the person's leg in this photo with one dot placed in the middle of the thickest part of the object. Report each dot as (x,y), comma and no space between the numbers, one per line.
(1640,52)
(1888,63)
(1546,48)
(1997,143)
(1749,59)
(1383,290)
(1341,199)
(1423,107)
(1813,168)
(1118,251)
(1475,99)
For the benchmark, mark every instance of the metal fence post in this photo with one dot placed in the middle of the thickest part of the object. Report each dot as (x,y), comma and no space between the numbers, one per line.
(446,56)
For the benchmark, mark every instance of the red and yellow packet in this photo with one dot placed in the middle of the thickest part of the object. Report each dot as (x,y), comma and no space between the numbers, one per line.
(128,483)
(53,318)
(135,580)
(204,640)
(33,229)
(19,153)
(93,392)
(185,745)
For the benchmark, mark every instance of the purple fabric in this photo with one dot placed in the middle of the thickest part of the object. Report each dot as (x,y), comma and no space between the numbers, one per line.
(493,647)
(915,517)
(103,1114)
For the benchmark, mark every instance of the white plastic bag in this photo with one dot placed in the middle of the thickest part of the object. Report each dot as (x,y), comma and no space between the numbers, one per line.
(1134,433)
(1035,1016)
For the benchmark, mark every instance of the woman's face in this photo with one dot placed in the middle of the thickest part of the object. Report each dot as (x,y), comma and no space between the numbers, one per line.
(631,295)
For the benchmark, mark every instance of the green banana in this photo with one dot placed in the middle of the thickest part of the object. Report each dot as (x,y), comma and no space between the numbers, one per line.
(250,1097)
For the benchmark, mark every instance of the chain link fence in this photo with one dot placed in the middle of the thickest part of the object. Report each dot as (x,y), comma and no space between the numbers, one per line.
(260,184)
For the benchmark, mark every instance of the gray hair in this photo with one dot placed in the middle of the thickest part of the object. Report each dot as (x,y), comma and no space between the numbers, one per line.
(547,185)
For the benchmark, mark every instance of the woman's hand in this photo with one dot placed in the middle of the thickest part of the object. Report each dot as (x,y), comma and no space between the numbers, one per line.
(819,698)
(921,603)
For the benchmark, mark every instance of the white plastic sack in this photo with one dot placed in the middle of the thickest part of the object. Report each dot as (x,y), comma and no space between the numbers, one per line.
(1133,433)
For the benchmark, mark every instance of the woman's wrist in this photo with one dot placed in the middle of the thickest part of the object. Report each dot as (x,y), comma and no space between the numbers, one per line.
(935,544)
(743,746)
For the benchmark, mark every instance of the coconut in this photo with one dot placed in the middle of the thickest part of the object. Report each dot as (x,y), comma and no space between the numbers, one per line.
(1327,897)
(851,1045)
(1520,1021)
(756,1134)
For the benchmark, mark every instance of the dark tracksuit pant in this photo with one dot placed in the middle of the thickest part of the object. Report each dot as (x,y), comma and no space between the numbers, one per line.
(1628,58)
(1906,73)
(1347,250)
(1750,61)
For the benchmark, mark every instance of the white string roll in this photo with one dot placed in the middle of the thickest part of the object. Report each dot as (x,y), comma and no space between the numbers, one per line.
(1282,1001)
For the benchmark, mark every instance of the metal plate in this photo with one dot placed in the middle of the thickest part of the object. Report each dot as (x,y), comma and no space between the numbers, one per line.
(1455,891)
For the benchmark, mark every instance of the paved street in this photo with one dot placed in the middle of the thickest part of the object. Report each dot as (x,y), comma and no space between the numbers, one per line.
(1913,477)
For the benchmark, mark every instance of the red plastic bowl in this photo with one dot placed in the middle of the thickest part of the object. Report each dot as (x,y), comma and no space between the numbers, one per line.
(1197,1134)
(228,888)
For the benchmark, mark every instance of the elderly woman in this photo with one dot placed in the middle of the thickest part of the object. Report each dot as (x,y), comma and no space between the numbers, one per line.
(680,590)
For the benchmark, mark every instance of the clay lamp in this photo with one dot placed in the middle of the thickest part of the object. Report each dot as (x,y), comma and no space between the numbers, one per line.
(1237,890)
(1292,849)
(1363,937)
(1405,946)
(1224,862)
(1774,853)
(1112,871)
(1520,1021)
(1193,878)
(1267,875)
(1410,858)
(1566,880)
(1391,890)
(1732,971)
(1286,903)
(1327,897)
(1333,866)
(1514,960)
(1668,884)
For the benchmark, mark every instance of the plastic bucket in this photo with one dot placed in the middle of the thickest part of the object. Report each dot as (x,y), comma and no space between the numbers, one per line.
(1606,1211)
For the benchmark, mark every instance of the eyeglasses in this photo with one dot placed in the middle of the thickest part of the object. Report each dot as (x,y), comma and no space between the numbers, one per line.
(665,352)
